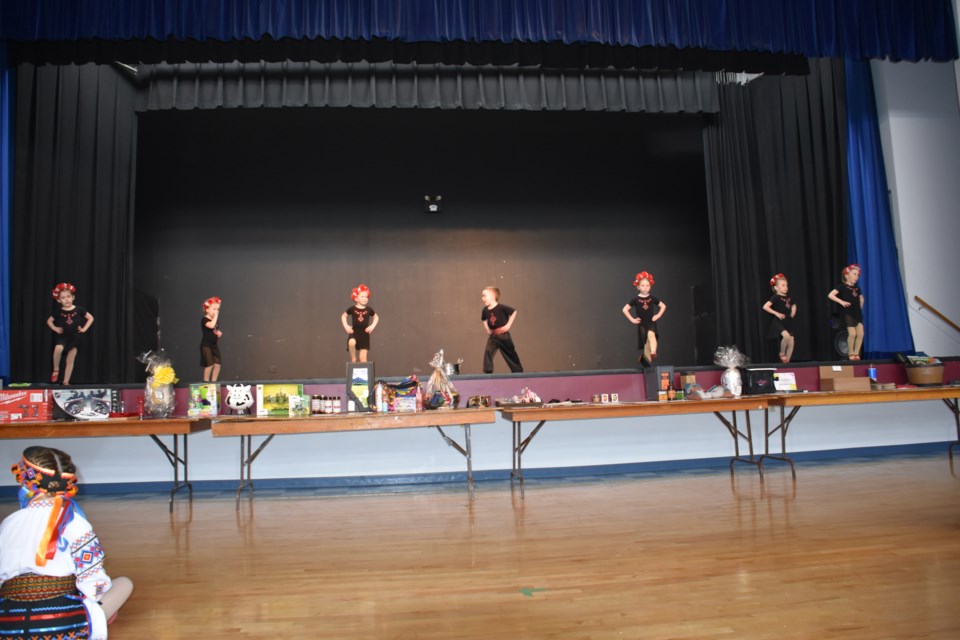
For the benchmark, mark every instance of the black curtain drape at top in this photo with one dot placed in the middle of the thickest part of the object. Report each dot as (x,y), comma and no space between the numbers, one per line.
(73,216)
(776,168)
(386,85)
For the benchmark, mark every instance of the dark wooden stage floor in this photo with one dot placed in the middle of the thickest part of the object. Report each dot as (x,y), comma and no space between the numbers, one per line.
(856,549)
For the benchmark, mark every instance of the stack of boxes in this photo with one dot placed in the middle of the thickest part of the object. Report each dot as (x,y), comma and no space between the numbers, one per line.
(842,378)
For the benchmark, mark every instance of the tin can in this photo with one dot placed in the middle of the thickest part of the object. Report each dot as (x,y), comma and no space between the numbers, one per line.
(872,372)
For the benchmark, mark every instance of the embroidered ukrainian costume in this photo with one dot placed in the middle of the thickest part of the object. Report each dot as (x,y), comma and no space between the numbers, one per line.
(51,562)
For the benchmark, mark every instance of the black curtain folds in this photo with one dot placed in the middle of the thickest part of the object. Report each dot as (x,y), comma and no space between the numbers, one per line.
(73,216)
(776,169)
(456,53)
(385,85)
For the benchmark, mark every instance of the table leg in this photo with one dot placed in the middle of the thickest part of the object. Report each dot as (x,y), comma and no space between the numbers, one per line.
(177,462)
(952,403)
(466,451)
(737,434)
(247,456)
(520,445)
(784,425)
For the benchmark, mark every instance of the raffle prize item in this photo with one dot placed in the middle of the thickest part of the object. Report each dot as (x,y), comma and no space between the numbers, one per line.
(239,399)
(657,380)
(159,398)
(274,400)
(526,397)
(359,390)
(757,381)
(731,360)
(478,402)
(85,404)
(402,397)
(204,400)
(439,392)
(924,371)
(24,405)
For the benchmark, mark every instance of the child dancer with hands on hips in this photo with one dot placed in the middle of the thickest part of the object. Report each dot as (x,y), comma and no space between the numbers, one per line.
(69,323)
(363,320)
(646,311)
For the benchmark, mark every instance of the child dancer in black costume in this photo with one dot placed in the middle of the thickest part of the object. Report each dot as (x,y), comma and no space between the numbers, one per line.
(363,320)
(497,319)
(69,323)
(849,297)
(783,310)
(647,310)
(210,340)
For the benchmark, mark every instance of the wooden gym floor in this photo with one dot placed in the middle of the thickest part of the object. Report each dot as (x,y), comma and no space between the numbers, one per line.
(864,549)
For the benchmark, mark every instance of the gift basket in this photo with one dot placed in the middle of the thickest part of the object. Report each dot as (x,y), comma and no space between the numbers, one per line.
(439,392)
(159,398)
(731,360)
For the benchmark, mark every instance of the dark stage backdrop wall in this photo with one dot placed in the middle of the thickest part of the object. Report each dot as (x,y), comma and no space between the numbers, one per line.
(281,212)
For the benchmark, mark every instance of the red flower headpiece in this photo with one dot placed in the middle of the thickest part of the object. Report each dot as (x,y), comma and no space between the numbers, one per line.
(850,267)
(360,289)
(643,275)
(779,276)
(63,286)
(210,301)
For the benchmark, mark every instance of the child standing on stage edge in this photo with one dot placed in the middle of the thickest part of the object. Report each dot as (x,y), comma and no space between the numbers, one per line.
(783,310)
(497,319)
(850,299)
(363,320)
(646,311)
(210,339)
(69,323)
(52,580)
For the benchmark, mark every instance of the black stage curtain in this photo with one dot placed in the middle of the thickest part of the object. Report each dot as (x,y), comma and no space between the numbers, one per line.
(72,216)
(361,84)
(776,169)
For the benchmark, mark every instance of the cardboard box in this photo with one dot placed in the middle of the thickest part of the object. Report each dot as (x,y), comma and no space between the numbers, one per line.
(72,403)
(836,371)
(274,399)
(204,400)
(25,405)
(845,384)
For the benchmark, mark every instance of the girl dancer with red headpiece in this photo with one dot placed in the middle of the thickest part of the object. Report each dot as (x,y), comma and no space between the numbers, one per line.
(52,580)
(849,297)
(210,340)
(69,323)
(646,311)
(363,320)
(783,310)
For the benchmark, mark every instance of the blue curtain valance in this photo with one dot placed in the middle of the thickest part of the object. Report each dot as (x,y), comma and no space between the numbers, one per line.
(859,29)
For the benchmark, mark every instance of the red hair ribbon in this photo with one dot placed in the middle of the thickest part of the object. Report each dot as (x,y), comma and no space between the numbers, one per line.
(643,275)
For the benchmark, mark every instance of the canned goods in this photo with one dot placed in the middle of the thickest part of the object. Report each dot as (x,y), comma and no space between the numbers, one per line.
(872,372)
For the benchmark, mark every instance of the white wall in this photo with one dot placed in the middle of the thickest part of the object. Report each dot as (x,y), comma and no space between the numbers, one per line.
(920,132)
(558,444)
